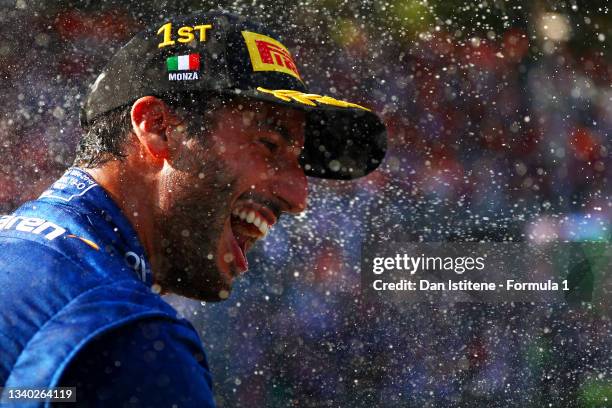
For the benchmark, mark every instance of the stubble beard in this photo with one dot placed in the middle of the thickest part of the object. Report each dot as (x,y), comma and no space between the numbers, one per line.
(191,231)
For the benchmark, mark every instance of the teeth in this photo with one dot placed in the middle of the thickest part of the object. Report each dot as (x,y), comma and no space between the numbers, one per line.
(252,218)
(264,228)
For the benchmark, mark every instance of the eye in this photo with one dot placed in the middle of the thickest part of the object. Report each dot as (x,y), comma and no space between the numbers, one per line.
(269,144)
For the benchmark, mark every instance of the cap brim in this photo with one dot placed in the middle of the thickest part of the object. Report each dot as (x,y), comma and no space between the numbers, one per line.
(341,143)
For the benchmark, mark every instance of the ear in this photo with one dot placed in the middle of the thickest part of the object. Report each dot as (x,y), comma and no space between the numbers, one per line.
(151,118)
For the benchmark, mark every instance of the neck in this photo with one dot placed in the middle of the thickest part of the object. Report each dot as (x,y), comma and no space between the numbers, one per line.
(131,196)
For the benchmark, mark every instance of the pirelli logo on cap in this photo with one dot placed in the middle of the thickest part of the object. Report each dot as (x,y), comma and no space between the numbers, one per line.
(267,54)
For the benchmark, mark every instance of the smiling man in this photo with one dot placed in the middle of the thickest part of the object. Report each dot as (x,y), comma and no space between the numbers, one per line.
(199,197)
(199,135)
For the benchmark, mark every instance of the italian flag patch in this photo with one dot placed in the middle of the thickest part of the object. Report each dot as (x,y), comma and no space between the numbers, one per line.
(190,62)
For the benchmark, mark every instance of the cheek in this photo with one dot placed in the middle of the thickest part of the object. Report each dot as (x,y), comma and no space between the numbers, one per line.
(249,164)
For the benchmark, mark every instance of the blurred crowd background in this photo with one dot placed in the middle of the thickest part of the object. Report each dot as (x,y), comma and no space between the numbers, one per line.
(499,116)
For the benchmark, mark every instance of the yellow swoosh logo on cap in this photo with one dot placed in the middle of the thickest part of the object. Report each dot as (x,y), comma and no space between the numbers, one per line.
(289,95)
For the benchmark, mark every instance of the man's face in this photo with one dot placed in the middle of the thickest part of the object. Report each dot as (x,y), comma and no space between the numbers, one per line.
(225,191)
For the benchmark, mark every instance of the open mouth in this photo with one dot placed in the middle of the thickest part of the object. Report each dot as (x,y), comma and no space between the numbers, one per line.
(249,222)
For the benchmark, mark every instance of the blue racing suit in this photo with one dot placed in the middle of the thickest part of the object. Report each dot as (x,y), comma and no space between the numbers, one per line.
(77,307)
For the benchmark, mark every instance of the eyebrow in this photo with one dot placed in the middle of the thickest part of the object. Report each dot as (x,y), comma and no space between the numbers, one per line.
(284,132)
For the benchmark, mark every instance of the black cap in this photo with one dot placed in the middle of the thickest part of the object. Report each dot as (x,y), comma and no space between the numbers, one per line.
(223,53)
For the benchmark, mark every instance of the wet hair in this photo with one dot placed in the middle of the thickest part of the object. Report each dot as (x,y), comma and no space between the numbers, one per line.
(104,139)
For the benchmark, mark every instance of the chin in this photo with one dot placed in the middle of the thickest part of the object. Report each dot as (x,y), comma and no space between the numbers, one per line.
(213,282)
(192,274)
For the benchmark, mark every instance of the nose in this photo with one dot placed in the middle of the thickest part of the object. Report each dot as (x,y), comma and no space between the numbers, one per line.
(291,186)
